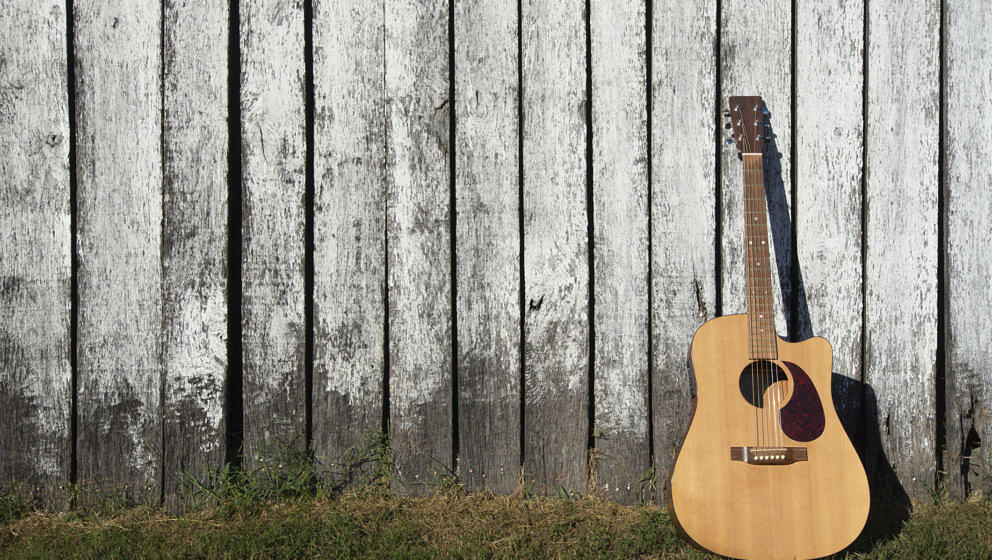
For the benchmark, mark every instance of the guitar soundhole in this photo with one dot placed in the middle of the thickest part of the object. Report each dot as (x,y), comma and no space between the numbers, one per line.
(802,417)
(756,378)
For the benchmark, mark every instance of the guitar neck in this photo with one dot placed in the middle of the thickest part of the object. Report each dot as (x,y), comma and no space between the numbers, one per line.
(757,264)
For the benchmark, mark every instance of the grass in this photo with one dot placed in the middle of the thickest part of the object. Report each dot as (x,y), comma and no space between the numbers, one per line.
(448,525)
(12,505)
(292,506)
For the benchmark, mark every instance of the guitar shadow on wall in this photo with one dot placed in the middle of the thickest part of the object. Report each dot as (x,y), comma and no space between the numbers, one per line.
(854,400)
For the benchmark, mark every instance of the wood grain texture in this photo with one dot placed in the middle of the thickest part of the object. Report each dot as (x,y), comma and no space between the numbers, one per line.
(119,173)
(487,244)
(829,145)
(901,236)
(968,264)
(816,507)
(620,217)
(755,60)
(273,158)
(556,267)
(35,267)
(349,231)
(419,237)
(194,240)
(683,213)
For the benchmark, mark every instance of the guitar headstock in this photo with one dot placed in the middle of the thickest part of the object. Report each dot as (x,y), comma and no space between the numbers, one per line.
(748,123)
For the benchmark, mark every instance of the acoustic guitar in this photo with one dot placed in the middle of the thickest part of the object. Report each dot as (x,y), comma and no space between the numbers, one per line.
(765,469)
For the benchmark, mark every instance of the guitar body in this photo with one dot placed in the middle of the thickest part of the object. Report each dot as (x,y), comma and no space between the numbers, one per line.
(769,508)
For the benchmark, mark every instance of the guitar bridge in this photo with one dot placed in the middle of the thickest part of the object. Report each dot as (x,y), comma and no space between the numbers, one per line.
(768,455)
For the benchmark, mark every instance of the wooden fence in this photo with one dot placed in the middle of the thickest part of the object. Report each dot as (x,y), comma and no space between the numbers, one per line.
(486,227)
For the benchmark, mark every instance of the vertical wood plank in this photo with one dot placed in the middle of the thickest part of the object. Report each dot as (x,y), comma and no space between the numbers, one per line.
(194,240)
(683,213)
(556,269)
(488,244)
(901,235)
(273,160)
(829,146)
(349,230)
(419,238)
(119,173)
(620,217)
(35,267)
(968,89)
(756,46)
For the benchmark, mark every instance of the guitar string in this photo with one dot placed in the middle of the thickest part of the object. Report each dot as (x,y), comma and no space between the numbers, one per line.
(765,312)
(770,370)
(756,377)
(767,370)
(761,289)
(757,311)
(755,300)
(751,347)
(759,254)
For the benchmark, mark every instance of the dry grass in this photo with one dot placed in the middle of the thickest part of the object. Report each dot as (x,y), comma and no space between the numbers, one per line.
(449,525)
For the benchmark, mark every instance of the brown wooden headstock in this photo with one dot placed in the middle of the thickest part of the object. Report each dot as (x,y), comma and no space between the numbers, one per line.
(748,124)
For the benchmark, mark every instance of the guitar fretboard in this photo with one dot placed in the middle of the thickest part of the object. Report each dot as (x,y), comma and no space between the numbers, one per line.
(757,265)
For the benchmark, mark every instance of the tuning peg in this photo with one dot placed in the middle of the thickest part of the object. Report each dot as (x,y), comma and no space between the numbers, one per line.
(765,112)
(728,126)
(730,140)
(726,112)
(768,139)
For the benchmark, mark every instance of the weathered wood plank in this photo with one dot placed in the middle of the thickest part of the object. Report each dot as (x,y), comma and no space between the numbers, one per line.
(35,267)
(755,60)
(119,193)
(683,213)
(349,231)
(967,113)
(273,160)
(620,225)
(194,241)
(829,143)
(487,244)
(418,240)
(901,236)
(556,268)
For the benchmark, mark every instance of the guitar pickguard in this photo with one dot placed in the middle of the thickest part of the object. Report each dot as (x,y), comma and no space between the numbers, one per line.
(802,417)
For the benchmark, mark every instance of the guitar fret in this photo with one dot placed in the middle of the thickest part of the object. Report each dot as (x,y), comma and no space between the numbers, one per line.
(761,310)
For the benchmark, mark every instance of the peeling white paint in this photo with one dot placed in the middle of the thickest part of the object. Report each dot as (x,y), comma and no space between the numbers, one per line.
(683,213)
(756,63)
(119,196)
(273,154)
(195,237)
(620,217)
(829,137)
(556,266)
(349,224)
(901,235)
(969,239)
(417,219)
(199,363)
(488,249)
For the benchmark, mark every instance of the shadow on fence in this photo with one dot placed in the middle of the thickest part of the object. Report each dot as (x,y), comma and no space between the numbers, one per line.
(854,400)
